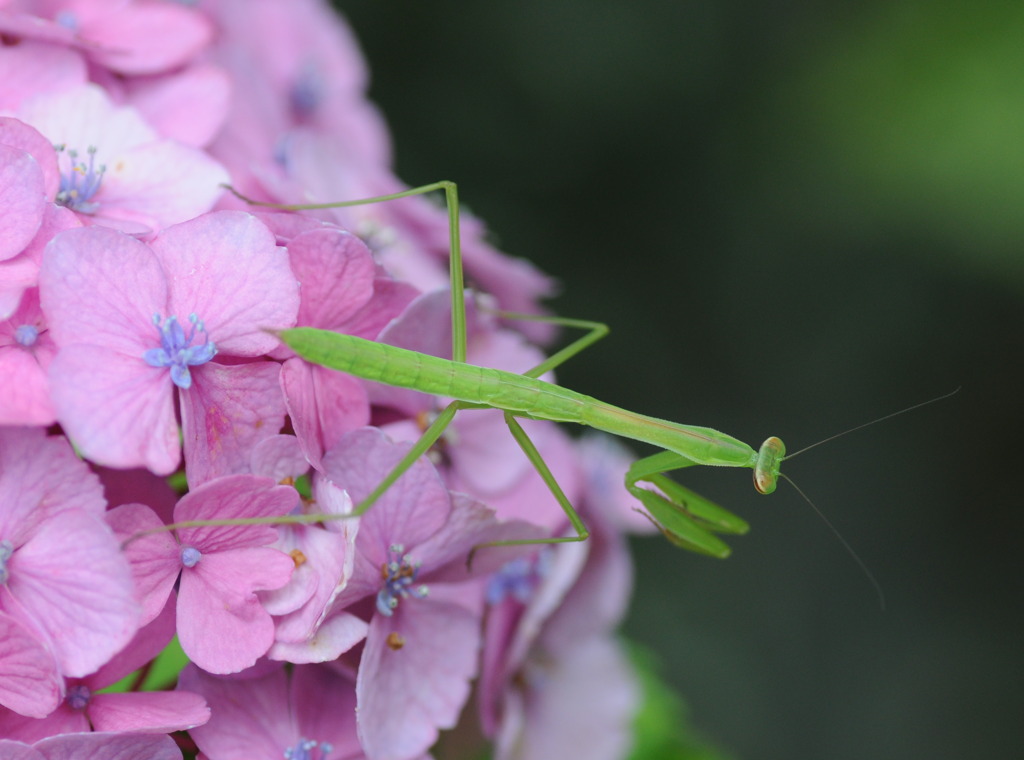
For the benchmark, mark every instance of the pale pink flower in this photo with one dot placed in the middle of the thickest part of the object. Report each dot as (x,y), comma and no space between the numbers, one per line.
(85,708)
(133,322)
(221,624)
(306,713)
(411,559)
(296,68)
(553,678)
(61,567)
(323,559)
(128,36)
(115,169)
(29,178)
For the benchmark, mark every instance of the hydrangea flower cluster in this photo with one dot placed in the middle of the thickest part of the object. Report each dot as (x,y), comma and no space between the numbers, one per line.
(138,302)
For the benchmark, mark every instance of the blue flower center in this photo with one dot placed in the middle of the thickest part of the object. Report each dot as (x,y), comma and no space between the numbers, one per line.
(306,92)
(308,749)
(67,19)
(78,696)
(80,181)
(190,556)
(26,335)
(519,578)
(399,574)
(6,552)
(176,350)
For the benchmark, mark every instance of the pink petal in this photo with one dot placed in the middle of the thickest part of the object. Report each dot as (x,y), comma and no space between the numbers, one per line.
(146,37)
(390,298)
(29,681)
(74,582)
(278,457)
(222,626)
(25,392)
(335,637)
(32,67)
(40,477)
(568,561)
(411,510)
(12,750)
(22,198)
(230,497)
(100,287)
(324,702)
(109,746)
(151,712)
(226,412)
(323,405)
(578,704)
(22,272)
(86,117)
(253,719)
(162,183)
(63,720)
(598,600)
(406,695)
(118,410)
(226,268)
(147,643)
(445,554)
(17,134)
(336,271)
(154,558)
(326,566)
(189,106)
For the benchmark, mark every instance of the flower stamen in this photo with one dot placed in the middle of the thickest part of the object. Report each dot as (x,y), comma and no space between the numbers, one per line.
(176,350)
(399,574)
(80,182)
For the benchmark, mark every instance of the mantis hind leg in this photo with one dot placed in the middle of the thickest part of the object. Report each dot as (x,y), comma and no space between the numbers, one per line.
(528,447)
(595,331)
(685,518)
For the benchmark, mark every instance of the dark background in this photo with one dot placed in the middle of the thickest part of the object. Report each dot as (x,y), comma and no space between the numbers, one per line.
(796,217)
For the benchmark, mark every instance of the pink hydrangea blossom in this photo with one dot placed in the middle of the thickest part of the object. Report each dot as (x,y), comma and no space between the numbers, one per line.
(26,351)
(114,169)
(84,707)
(411,560)
(149,320)
(88,746)
(62,574)
(130,37)
(307,712)
(221,623)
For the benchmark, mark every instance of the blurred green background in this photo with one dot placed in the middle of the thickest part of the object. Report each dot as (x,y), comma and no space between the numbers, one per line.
(796,217)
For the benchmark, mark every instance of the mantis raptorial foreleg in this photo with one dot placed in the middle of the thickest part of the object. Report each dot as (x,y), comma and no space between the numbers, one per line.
(685,518)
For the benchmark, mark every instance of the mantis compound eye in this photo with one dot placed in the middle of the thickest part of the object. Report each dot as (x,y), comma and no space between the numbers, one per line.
(766,468)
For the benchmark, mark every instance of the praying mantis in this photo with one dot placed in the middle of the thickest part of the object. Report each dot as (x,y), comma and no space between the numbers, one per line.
(683,517)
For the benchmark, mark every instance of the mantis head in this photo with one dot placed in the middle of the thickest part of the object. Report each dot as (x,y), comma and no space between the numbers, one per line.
(769,461)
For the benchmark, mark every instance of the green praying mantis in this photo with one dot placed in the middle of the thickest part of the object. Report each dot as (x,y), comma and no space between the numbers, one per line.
(685,518)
